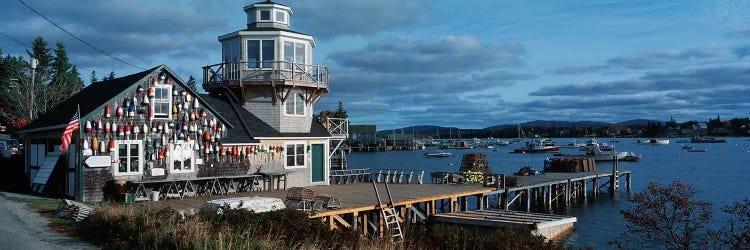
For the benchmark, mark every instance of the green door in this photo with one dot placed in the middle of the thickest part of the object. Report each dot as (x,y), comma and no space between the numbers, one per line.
(317,163)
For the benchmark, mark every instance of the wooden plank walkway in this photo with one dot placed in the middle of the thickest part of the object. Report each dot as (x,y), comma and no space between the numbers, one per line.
(548,225)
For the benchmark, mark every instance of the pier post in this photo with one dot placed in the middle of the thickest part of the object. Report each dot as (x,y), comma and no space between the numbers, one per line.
(355,221)
(528,200)
(452,205)
(567,193)
(585,191)
(506,198)
(549,198)
(464,203)
(628,181)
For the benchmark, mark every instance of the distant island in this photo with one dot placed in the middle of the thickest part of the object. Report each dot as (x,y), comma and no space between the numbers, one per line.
(548,128)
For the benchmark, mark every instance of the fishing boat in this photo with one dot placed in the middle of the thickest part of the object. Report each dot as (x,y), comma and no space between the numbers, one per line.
(437,154)
(699,139)
(608,154)
(536,146)
(653,141)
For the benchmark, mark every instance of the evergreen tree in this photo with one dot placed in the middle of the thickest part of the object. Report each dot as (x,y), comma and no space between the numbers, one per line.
(75,83)
(340,112)
(110,76)
(93,78)
(191,83)
(41,53)
(60,67)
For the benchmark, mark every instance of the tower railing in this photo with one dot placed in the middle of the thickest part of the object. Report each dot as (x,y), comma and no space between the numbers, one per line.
(275,72)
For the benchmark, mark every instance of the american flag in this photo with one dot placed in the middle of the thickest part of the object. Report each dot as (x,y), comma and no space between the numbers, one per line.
(73,125)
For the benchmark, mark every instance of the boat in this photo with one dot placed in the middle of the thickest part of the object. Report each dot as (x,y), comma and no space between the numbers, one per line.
(699,139)
(608,154)
(697,150)
(591,144)
(536,146)
(687,147)
(653,141)
(573,144)
(437,154)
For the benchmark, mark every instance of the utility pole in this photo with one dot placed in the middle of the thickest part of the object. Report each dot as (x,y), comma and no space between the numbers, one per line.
(34,62)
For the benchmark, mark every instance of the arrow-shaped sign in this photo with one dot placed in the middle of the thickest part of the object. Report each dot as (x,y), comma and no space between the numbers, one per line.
(98,161)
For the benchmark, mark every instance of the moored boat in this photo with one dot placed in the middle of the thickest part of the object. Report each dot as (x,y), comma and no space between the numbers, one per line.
(536,146)
(437,154)
(699,139)
(653,141)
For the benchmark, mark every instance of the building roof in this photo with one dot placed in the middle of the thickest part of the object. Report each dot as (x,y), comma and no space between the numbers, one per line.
(252,28)
(89,99)
(268,2)
(92,97)
(362,129)
(256,128)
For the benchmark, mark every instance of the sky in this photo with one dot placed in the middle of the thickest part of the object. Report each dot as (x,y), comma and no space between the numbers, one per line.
(469,64)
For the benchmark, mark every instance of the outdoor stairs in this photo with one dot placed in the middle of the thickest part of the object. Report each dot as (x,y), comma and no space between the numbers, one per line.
(42,176)
(390,215)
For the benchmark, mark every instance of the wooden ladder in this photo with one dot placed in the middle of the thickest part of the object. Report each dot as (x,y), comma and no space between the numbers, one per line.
(390,216)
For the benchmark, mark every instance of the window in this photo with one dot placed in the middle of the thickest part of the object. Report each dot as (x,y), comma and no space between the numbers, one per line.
(181,158)
(129,155)
(294,52)
(231,51)
(295,155)
(265,15)
(280,17)
(162,101)
(295,105)
(260,53)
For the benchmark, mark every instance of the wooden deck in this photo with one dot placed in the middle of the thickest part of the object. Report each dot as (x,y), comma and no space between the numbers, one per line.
(353,197)
(548,225)
(417,203)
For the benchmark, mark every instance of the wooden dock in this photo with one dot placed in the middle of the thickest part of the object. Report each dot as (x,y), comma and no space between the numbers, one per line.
(417,203)
(548,225)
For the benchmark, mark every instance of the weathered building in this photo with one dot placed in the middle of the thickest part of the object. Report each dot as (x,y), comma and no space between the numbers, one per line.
(256,119)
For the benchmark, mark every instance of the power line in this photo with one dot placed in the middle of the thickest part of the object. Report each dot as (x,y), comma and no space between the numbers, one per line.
(29,47)
(78,38)
(15,40)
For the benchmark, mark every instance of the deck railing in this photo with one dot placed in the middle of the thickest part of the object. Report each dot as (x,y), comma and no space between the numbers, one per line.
(337,126)
(266,71)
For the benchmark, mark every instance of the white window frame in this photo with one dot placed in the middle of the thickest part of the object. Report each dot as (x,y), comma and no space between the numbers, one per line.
(246,53)
(173,154)
(141,157)
(270,16)
(169,102)
(276,16)
(304,154)
(294,55)
(292,100)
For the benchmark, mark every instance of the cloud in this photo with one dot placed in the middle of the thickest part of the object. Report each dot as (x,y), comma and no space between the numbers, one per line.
(711,77)
(645,61)
(739,34)
(333,18)
(580,70)
(446,54)
(741,51)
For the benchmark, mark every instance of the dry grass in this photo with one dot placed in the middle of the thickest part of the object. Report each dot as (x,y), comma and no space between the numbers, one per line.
(116,226)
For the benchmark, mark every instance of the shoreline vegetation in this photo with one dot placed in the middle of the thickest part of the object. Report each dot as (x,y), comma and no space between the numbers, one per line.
(117,226)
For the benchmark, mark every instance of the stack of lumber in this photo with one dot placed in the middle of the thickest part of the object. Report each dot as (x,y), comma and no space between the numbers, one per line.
(74,210)
(571,165)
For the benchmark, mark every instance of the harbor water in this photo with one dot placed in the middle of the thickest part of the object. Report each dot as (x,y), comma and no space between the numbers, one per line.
(720,173)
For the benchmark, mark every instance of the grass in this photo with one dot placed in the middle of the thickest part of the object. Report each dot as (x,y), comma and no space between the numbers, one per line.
(114,226)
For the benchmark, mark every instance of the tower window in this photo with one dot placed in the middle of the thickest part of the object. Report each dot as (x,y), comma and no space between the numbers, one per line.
(294,52)
(260,53)
(280,16)
(265,15)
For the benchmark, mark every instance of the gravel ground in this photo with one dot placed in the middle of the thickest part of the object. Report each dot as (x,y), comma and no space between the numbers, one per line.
(21,228)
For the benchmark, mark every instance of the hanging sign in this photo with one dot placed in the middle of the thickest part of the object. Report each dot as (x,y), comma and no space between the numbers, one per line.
(99,161)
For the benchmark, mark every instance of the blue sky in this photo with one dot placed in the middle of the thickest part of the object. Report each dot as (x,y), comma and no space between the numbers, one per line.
(470,64)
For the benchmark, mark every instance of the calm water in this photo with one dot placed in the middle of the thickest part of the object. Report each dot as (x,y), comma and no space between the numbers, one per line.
(721,173)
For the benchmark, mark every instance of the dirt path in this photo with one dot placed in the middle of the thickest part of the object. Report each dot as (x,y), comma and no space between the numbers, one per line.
(21,228)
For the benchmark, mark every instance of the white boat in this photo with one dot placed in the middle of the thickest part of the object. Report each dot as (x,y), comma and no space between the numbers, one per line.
(437,154)
(653,141)
(502,143)
(591,144)
(607,154)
